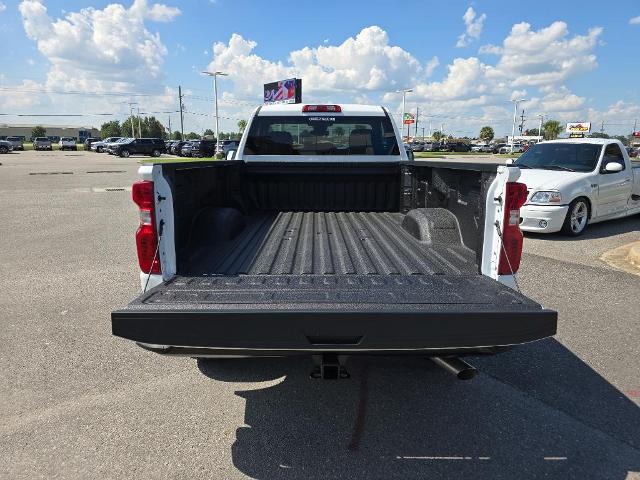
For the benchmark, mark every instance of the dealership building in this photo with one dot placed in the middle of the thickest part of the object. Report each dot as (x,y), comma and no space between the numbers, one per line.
(54,132)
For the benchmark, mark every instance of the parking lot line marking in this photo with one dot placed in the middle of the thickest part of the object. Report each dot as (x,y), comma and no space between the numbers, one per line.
(555,459)
(50,173)
(106,171)
(110,189)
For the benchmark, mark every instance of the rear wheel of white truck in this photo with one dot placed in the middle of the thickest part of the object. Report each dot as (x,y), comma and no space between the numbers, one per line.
(577,217)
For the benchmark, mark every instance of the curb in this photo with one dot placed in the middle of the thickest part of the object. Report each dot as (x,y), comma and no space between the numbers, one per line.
(625,258)
(634,255)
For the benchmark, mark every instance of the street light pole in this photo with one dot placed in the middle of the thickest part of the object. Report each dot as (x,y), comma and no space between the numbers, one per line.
(133,132)
(515,116)
(139,125)
(541,115)
(215,97)
(404,106)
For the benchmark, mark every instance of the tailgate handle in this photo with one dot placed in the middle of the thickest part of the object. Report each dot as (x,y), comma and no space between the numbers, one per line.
(333,340)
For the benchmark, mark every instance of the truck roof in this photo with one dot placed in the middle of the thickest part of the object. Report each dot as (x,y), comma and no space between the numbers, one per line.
(294,109)
(593,141)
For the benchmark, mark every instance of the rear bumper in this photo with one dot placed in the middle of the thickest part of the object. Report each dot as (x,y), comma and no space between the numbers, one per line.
(295,332)
(543,218)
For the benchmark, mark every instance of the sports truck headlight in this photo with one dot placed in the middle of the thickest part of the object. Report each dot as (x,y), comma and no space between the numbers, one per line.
(546,197)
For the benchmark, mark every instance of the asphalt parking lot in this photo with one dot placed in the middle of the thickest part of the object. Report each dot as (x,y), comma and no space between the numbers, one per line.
(77,402)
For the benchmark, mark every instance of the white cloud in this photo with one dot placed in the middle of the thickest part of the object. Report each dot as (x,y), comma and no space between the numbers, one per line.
(31,62)
(3,7)
(366,62)
(546,56)
(162,13)
(474,26)
(109,49)
(634,20)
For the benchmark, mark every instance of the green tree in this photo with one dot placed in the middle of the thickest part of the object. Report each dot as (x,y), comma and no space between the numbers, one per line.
(486,134)
(532,132)
(176,135)
(208,133)
(126,127)
(623,139)
(551,129)
(152,128)
(437,135)
(242,124)
(111,129)
(339,132)
(38,131)
(192,136)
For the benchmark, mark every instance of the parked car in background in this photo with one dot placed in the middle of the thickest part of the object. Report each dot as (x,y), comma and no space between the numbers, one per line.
(101,145)
(225,145)
(572,183)
(42,143)
(497,146)
(176,148)
(16,143)
(485,149)
(457,147)
(5,146)
(185,151)
(431,147)
(139,146)
(203,148)
(88,141)
(67,143)
(632,152)
(517,148)
(108,147)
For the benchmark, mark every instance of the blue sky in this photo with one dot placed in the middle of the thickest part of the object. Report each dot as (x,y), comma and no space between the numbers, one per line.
(572,62)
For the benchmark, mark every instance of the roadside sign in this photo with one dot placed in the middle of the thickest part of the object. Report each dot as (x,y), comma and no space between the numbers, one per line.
(283,91)
(578,127)
(576,135)
(409,119)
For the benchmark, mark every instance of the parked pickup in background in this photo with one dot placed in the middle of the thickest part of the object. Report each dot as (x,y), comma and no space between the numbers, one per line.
(67,143)
(318,236)
(16,142)
(42,143)
(102,145)
(572,183)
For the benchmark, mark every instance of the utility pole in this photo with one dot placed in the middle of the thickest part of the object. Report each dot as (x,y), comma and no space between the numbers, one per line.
(602,127)
(133,132)
(404,106)
(181,116)
(541,116)
(522,122)
(417,113)
(430,130)
(139,125)
(215,76)
(423,134)
(169,126)
(515,116)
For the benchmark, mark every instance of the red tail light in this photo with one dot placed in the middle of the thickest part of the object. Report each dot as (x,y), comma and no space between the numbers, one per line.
(516,196)
(146,236)
(322,108)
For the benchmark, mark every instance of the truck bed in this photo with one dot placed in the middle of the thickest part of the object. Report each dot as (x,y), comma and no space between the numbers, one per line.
(291,282)
(328,243)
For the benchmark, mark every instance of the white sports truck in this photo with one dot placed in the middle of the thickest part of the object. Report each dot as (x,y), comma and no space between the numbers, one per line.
(574,182)
(320,236)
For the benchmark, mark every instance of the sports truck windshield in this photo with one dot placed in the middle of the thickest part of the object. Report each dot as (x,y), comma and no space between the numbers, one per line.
(578,157)
(321,135)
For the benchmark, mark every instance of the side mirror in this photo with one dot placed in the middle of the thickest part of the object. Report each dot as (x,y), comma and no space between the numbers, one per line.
(613,167)
(231,154)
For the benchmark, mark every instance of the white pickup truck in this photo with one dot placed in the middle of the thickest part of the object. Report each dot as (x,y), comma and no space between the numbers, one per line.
(574,182)
(320,236)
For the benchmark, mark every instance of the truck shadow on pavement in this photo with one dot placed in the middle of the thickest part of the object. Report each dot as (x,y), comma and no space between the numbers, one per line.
(536,411)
